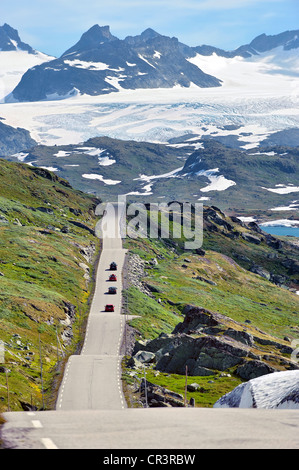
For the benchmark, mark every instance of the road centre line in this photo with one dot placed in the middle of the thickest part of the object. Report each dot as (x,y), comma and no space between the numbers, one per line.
(36,423)
(48,443)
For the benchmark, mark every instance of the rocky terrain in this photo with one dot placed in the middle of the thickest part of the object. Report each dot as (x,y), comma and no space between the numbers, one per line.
(14,140)
(208,343)
(226,312)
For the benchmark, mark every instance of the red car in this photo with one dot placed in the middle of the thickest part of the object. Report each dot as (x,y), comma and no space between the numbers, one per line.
(112,277)
(109,308)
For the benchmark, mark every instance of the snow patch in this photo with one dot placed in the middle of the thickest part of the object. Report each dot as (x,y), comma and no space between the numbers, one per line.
(62,154)
(280,223)
(106,161)
(50,168)
(284,189)
(217,182)
(145,60)
(80,64)
(21,156)
(291,207)
(278,390)
(247,219)
(13,66)
(93,176)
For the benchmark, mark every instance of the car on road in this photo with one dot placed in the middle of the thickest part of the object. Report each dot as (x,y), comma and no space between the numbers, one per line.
(113,266)
(112,290)
(109,308)
(112,277)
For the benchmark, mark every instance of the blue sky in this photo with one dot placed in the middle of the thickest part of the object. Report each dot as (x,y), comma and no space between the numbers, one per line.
(54,26)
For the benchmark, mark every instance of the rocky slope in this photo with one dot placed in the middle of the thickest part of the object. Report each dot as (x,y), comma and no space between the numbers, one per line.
(14,140)
(208,343)
(10,40)
(243,181)
(228,311)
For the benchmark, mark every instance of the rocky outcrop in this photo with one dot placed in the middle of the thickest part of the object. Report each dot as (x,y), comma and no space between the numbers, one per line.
(207,343)
(136,273)
(70,314)
(155,396)
(13,140)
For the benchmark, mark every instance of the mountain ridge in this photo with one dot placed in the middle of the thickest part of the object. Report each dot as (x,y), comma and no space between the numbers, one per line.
(100,63)
(262,43)
(10,40)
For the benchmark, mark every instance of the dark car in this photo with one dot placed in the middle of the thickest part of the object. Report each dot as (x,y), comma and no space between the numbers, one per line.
(112,277)
(112,290)
(113,266)
(109,308)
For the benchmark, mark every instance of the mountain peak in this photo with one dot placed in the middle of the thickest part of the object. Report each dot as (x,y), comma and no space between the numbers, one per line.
(263,42)
(149,33)
(10,40)
(99,32)
(92,38)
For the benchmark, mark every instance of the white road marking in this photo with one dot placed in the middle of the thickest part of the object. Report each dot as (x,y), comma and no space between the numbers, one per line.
(48,443)
(36,423)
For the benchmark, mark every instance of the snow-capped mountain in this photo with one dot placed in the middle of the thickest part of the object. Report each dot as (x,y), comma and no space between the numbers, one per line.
(263,43)
(278,390)
(99,63)
(254,109)
(16,57)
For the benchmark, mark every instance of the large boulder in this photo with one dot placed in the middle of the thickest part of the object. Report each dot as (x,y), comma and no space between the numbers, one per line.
(251,238)
(260,271)
(203,355)
(252,369)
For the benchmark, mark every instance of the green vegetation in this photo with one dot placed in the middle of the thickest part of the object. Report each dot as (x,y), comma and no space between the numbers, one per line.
(219,280)
(237,292)
(209,391)
(45,292)
(153,318)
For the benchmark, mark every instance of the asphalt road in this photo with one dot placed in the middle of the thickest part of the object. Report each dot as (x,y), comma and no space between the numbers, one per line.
(91,411)
(92,379)
(154,428)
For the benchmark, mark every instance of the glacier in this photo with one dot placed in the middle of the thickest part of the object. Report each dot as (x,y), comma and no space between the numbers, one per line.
(258,96)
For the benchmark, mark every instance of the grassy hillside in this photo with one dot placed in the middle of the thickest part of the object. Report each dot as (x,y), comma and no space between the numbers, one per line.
(47,254)
(220,280)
